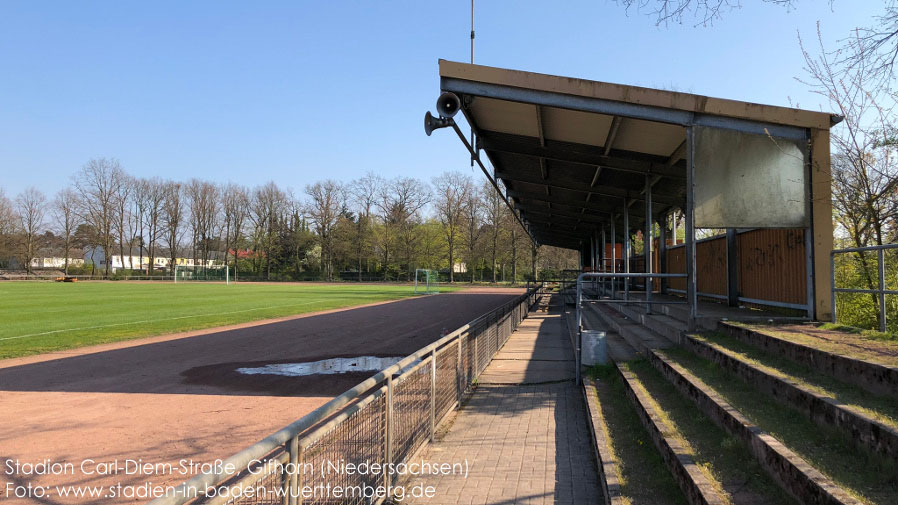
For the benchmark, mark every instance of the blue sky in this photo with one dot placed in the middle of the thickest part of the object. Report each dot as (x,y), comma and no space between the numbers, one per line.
(299,91)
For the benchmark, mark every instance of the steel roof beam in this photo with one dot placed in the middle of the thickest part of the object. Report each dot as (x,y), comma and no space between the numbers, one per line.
(580,187)
(579,154)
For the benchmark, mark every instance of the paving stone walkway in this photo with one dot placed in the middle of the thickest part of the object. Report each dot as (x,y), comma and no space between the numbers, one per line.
(522,437)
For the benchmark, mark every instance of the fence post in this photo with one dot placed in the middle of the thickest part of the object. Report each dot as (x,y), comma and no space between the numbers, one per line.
(433,392)
(882,289)
(476,363)
(388,433)
(459,373)
(288,478)
(832,269)
(297,475)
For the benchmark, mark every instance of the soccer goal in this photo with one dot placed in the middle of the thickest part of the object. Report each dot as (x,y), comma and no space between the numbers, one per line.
(427,282)
(214,273)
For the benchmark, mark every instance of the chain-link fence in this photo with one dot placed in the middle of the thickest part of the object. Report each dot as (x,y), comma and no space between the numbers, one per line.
(350,450)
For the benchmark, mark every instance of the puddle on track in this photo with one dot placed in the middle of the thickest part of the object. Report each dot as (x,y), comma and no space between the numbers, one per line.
(324,367)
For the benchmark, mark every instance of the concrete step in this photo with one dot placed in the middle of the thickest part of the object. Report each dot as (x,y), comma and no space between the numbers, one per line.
(795,475)
(818,405)
(633,333)
(697,487)
(664,325)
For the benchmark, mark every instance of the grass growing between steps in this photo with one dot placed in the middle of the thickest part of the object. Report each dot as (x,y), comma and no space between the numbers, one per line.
(864,345)
(643,476)
(720,456)
(883,409)
(869,477)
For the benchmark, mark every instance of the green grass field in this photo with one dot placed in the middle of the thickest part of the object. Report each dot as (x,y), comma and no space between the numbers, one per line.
(40,317)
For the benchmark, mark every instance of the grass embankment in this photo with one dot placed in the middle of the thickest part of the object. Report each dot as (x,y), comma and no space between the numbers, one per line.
(868,345)
(40,317)
(883,409)
(643,476)
(869,477)
(724,459)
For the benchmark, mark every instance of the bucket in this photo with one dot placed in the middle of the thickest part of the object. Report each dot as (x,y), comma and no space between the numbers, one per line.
(594,348)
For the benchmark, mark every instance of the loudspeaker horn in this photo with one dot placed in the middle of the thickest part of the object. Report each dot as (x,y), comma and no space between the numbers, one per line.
(448,104)
(431,123)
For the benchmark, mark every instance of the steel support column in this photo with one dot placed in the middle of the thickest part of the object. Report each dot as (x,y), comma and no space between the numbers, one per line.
(691,289)
(732,269)
(613,255)
(626,249)
(662,250)
(647,243)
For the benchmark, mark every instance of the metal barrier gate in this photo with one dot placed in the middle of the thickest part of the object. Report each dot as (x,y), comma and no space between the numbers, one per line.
(383,421)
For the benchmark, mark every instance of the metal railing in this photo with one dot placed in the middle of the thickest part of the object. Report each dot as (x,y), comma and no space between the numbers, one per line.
(383,421)
(880,291)
(602,276)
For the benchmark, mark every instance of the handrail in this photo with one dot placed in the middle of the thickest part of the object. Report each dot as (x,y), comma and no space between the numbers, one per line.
(609,275)
(880,291)
(188,490)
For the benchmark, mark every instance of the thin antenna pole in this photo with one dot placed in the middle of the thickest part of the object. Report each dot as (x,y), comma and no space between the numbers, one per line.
(472,31)
(473,144)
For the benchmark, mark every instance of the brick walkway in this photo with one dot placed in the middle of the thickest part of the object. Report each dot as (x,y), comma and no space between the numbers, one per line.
(522,443)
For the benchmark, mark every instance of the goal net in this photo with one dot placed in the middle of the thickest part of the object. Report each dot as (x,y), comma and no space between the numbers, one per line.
(213,273)
(427,281)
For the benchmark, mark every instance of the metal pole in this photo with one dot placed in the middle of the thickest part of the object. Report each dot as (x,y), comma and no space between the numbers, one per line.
(882,295)
(388,429)
(579,327)
(290,494)
(674,218)
(603,253)
(613,254)
(832,271)
(732,270)
(691,291)
(458,372)
(626,249)
(433,393)
(647,243)
(662,251)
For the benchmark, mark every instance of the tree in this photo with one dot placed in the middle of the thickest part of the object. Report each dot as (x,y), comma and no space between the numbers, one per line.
(31,205)
(399,203)
(865,175)
(8,223)
(64,206)
(235,207)
(97,184)
(875,47)
(472,213)
(172,219)
(202,201)
(450,189)
(324,211)
(703,11)
(155,191)
(268,204)
(493,207)
(364,193)
(123,216)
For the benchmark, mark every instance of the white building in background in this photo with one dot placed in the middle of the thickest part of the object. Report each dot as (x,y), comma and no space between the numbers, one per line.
(96,256)
(57,262)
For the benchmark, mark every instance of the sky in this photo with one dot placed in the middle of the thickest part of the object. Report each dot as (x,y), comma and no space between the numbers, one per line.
(294,92)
